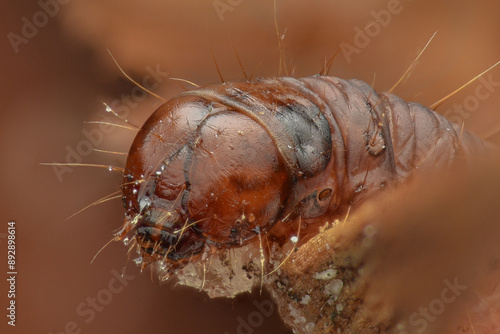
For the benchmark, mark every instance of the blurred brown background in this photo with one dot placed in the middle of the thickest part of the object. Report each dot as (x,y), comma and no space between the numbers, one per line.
(55,76)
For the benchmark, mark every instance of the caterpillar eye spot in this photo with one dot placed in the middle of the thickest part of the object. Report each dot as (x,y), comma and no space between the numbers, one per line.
(324,194)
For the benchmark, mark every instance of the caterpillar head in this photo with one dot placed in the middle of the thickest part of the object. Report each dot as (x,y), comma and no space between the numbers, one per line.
(204,172)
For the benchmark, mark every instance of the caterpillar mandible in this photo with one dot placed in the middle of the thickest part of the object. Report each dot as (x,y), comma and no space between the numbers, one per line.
(217,166)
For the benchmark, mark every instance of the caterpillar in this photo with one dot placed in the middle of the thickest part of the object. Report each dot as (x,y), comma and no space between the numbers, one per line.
(220,166)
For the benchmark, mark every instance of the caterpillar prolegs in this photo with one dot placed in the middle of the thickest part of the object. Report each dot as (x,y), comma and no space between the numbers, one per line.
(221,165)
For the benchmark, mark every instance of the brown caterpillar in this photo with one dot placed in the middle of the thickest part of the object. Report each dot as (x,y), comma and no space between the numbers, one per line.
(217,166)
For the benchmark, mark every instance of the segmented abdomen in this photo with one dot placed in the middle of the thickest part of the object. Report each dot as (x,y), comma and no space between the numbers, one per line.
(344,128)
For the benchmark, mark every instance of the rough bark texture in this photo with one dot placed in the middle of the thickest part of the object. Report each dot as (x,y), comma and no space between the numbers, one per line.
(320,289)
